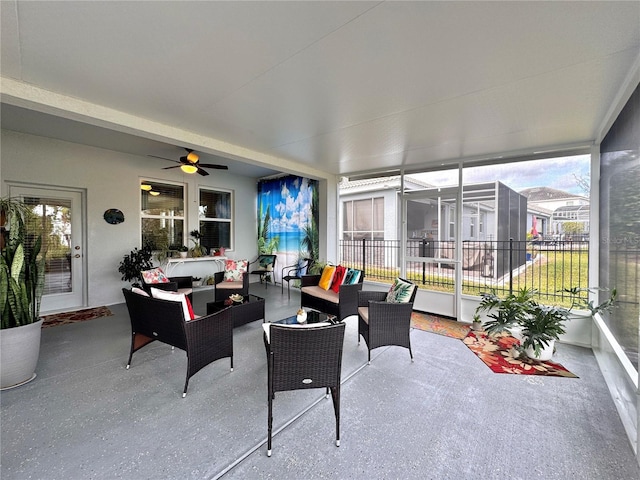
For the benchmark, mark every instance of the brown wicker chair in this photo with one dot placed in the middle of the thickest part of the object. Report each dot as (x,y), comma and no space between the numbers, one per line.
(204,339)
(224,289)
(382,323)
(303,358)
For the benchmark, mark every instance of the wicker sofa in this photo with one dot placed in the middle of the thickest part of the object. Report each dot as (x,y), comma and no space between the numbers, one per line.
(342,304)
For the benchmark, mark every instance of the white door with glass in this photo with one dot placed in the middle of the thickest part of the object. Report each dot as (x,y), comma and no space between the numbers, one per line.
(57,215)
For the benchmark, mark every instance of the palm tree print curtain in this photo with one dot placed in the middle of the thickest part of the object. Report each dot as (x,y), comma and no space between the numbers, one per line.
(288,218)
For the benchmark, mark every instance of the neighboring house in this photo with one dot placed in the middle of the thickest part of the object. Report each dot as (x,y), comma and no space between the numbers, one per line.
(561,207)
(370,209)
(492,212)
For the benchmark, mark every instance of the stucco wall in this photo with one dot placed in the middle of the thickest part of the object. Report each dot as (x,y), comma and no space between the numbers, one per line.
(111,180)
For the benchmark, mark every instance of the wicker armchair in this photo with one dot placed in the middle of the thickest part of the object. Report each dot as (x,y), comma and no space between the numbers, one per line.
(382,323)
(303,358)
(224,289)
(204,339)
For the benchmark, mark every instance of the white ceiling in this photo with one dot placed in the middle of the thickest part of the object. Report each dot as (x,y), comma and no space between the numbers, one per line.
(339,87)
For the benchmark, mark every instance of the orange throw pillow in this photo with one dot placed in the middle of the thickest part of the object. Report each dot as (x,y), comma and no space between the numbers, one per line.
(327,277)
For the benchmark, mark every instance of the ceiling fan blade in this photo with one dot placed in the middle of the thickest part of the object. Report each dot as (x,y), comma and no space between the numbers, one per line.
(202,172)
(213,165)
(163,158)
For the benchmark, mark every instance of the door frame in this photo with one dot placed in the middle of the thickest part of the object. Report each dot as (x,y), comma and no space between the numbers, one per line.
(14,190)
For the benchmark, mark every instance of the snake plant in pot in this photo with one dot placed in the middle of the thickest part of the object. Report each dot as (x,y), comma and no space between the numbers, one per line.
(22,270)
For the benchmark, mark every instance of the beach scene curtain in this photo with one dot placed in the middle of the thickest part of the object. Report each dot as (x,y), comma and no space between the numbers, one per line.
(288,219)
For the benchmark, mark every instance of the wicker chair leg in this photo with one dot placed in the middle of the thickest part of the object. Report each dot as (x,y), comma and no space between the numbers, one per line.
(269,424)
(186,385)
(335,393)
(410,352)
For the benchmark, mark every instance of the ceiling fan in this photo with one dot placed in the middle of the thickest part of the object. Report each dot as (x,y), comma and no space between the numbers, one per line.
(190,163)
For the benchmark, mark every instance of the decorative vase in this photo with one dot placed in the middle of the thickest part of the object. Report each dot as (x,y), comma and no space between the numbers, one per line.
(19,353)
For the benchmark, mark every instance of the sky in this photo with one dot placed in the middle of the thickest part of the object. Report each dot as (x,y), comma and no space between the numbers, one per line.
(559,173)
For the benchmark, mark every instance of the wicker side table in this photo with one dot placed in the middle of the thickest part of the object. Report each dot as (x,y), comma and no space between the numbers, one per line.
(250,310)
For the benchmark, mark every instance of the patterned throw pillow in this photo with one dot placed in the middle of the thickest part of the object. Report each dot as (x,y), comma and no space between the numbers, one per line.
(234,269)
(327,277)
(400,291)
(155,275)
(338,277)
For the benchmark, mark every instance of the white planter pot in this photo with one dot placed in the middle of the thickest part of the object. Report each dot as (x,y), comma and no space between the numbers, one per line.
(19,352)
(516,332)
(545,353)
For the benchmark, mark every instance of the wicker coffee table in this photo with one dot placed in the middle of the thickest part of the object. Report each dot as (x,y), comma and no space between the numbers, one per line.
(249,310)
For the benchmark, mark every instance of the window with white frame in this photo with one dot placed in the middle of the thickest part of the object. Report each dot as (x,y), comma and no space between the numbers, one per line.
(162,214)
(215,216)
(363,219)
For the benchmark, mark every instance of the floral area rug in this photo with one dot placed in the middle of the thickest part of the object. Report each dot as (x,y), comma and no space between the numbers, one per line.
(497,353)
(73,317)
(439,325)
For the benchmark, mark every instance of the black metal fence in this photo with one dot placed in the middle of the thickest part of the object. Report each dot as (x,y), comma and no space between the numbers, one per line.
(504,266)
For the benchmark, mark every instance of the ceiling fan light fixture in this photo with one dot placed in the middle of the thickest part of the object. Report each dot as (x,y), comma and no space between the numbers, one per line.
(145,187)
(155,194)
(192,157)
(189,169)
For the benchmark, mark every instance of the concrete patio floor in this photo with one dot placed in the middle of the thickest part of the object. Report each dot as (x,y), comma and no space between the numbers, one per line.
(444,416)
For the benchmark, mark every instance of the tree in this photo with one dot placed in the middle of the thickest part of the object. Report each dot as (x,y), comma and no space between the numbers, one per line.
(572,228)
(584,182)
(311,239)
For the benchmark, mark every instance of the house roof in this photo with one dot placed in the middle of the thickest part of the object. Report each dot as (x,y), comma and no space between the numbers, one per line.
(380,183)
(541,194)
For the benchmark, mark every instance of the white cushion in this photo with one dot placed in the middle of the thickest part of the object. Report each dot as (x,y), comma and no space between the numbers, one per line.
(267,330)
(139,291)
(173,297)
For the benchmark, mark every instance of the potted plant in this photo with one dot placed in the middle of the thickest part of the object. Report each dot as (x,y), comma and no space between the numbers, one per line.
(183,250)
(541,327)
(197,250)
(22,271)
(476,324)
(536,326)
(506,313)
(580,300)
(135,262)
